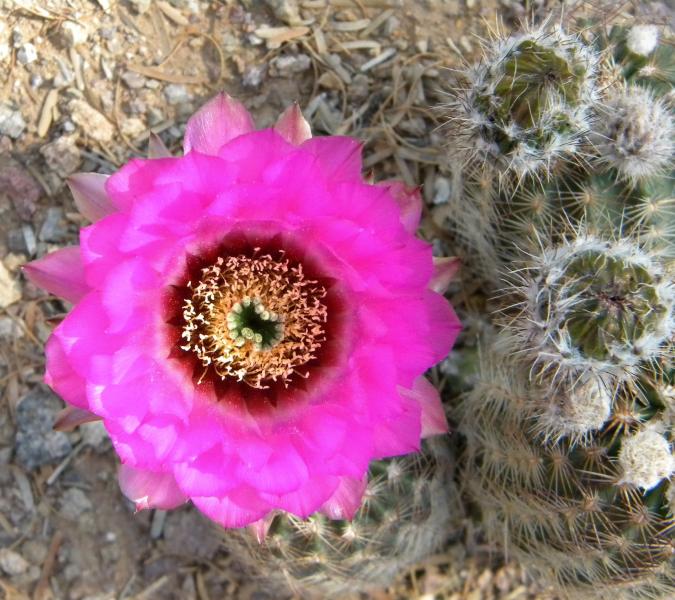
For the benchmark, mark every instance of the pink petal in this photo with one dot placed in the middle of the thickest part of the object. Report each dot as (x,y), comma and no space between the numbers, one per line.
(339,156)
(410,202)
(60,273)
(445,270)
(90,197)
(71,416)
(434,421)
(150,489)
(284,472)
(61,376)
(261,527)
(292,126)
(156,147)
(346,500)
(228,513)
(220,120)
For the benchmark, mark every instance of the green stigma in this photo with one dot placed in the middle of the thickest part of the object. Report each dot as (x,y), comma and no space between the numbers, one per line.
(250,321)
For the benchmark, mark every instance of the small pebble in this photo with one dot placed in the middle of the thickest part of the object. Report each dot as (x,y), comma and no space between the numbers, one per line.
(141,6)
(9,329)
(11,121)
(18,184)
(176,93)
(9,288)
(285,10)
(133,80)
(22,240)
(12,563)
(291,64)
(74,33)
(254,76)
(36,81)
(95,435)
(62,155)
(53,229)
(27,54)
(74,502)
(441,190)
(92,122)
(133,127)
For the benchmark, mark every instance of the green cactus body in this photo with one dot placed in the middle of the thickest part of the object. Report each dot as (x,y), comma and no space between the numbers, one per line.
(569,507)
(594,304)
(569,426)
(615,179)
(406,516)
(526,105)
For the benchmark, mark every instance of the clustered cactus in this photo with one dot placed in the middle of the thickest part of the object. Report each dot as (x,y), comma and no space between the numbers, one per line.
(406,516)
(569,415)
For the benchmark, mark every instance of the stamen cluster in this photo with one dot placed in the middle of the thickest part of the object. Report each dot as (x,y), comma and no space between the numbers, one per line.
(256,319)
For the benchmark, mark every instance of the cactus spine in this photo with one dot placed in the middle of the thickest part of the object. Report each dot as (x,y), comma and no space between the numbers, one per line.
(406,516)
(569,422)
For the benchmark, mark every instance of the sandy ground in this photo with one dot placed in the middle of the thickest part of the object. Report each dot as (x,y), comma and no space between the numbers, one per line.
(81,84)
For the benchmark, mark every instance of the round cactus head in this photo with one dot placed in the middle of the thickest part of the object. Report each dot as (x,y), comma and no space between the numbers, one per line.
(527,105)
(596,305)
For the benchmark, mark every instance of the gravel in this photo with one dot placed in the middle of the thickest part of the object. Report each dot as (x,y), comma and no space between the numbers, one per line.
(62,155)
(12,563)
(11,121)
(74,503)
(27,54)
(92,122)
(53,229)
(36,442)
(176,93)
(9,288)
(18,184)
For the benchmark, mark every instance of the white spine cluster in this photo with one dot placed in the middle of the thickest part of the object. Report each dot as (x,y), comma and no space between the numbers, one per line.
(473,122)
(642,39)
(575,410)
(645,459)
(635,133)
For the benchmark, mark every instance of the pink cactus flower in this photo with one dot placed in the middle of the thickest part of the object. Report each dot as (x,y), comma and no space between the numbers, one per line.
(251,320)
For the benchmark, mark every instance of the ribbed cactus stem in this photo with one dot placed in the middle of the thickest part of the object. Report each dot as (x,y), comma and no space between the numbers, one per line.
(594,305)
(407,514)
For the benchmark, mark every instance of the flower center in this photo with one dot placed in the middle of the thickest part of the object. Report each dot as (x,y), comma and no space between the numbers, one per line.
(258,319)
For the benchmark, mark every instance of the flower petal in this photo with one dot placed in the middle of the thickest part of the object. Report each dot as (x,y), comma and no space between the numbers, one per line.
(434,421)
(261,527)
(150,489)
(61,376)
(60,273)
(346,500)
(216,123)
(71,416)
(229,513)
(445,270)
(410,202)
(339,156)
(90,197)
(156,147)
(292,126)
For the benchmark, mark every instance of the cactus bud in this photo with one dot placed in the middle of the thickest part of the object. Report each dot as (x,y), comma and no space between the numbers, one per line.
(635,133)
(642,39)
(645,459)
